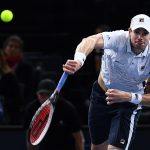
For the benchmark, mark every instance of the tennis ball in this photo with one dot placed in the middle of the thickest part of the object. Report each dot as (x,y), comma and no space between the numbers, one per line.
(6,15)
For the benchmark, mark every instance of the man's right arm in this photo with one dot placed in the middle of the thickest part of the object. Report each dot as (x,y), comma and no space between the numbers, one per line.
(90,43)
(85,47)
(79,140)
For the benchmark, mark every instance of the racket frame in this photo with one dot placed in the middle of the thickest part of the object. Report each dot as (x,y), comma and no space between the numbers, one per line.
(39,139)
(52,102)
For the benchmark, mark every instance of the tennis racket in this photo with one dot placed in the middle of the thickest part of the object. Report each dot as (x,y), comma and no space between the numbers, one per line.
(43,116)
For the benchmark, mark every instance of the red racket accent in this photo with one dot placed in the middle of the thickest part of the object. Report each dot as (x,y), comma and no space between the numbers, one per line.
(40,123)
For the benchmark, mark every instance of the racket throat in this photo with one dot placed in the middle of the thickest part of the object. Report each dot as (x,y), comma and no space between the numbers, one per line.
(54,97)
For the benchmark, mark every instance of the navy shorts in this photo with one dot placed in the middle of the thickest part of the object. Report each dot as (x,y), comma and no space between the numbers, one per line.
(115,123)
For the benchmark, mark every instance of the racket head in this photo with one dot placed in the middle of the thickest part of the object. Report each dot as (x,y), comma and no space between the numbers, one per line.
(40,122)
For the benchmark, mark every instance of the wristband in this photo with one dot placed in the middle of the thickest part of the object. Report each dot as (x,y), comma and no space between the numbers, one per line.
(80,56)
(136,98)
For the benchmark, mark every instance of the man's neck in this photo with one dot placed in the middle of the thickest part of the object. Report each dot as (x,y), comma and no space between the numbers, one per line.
(137,51)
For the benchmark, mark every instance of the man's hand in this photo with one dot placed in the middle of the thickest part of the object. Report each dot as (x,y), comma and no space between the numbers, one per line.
(71,66)
(117,96)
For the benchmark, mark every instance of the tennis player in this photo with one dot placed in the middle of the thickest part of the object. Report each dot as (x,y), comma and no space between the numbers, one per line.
(115,102)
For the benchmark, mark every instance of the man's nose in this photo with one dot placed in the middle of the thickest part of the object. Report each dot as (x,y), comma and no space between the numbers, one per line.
(140,36)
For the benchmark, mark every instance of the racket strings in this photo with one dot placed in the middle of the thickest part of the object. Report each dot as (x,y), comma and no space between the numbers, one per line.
(39,123)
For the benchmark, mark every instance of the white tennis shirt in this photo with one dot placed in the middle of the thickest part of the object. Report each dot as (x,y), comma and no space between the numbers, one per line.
(121,68)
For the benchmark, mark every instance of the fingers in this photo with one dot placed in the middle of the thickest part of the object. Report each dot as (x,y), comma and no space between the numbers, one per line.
(110,102)
(68,70)
(110,93)
(112,90)
(112,96)
(71,66)
(117,96)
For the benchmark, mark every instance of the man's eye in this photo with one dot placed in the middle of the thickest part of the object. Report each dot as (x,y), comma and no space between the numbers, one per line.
(137,32)
(142,32)
(145,33)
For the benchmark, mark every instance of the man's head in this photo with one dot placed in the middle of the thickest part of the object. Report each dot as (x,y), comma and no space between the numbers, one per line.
(12,48)
(140,21)
(45,89)
(139,32)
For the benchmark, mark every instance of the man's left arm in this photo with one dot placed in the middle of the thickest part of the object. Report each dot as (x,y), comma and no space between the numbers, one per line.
(79,140)
(147,86)
(118,96)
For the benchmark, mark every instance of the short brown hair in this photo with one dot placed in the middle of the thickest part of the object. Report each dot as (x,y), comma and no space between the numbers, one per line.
(14,38)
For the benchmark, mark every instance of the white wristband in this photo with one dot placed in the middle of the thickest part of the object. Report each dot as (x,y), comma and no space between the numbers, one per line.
(136,98)
(80,56)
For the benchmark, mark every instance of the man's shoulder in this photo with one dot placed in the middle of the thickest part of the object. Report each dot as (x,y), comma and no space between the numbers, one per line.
(65,105)
(65,102)
(25,65)
(115,39)
(26,62)
(117,35)
(120,33)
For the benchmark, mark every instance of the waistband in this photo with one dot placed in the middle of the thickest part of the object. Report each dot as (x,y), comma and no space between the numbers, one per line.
(98,87)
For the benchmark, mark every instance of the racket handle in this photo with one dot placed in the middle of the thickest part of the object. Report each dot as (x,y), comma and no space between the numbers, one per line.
(61,81)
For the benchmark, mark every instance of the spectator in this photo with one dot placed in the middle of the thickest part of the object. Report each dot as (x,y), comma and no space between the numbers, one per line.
(1,109)
(10,91)
(65,130)
(24,71)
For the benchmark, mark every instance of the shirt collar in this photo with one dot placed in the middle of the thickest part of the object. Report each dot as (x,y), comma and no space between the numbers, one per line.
(146,51)
(129,46)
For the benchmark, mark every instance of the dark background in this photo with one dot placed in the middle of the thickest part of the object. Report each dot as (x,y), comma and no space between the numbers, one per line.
(59,25)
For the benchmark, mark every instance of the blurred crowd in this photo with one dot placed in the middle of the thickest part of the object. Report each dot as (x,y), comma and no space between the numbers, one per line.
(26,81)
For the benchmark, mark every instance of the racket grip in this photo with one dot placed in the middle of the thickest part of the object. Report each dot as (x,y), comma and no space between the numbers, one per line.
(61,81)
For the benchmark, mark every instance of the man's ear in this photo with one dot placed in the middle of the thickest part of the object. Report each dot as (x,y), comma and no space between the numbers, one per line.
(129,29)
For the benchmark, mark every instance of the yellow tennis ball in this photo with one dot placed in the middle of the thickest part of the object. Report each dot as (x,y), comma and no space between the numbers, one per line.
(6,15)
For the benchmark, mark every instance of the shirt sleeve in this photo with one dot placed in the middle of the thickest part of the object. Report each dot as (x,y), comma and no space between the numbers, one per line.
(115,39)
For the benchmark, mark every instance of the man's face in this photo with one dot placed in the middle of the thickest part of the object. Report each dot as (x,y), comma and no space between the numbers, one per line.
(12,49)
(42,97)
(139,38)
